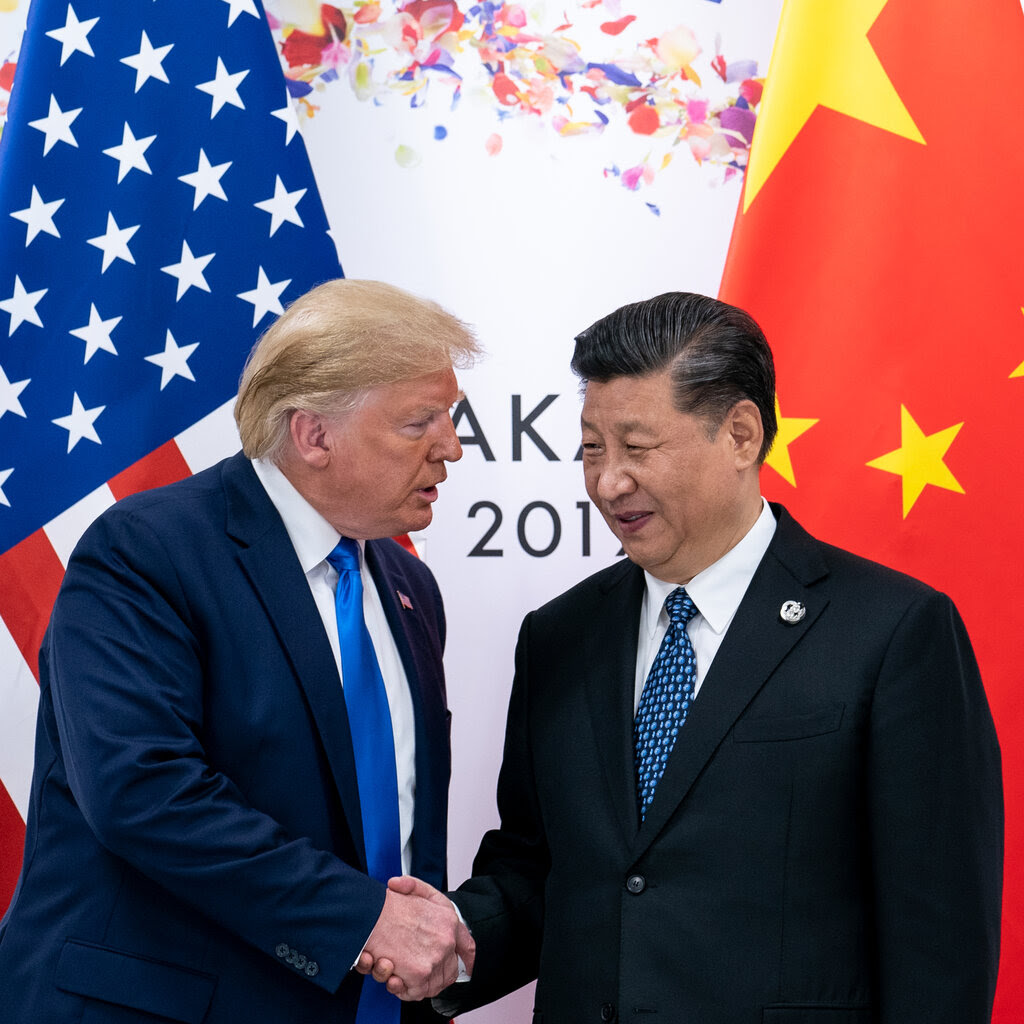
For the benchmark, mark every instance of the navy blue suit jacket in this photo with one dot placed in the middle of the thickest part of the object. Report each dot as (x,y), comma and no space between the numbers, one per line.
(194,849)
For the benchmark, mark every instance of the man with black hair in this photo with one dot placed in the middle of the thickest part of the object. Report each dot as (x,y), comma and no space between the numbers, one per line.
(748,778)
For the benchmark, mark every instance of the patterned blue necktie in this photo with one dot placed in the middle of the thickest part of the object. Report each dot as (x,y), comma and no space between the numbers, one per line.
(666,699)
(373,743)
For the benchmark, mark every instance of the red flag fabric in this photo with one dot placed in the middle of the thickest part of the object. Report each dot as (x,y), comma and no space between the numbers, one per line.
(880,244)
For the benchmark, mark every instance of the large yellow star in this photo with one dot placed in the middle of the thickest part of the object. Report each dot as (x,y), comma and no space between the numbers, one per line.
(822,57)
(919,460)
(1019,372)
(790,428)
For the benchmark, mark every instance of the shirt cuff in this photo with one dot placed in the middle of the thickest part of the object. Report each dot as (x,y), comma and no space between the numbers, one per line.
(464,975)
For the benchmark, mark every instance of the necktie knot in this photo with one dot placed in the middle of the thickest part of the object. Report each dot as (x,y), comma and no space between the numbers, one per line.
(679,607)
(345,556)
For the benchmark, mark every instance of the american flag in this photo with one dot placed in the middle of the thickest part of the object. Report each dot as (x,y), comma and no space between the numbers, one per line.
(159,210)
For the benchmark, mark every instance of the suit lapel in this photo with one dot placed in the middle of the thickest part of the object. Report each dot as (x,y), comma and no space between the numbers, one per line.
(268,560)
(609,667)
(757,641)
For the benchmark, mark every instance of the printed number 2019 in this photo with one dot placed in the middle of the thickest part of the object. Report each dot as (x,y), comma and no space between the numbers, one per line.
(540,508)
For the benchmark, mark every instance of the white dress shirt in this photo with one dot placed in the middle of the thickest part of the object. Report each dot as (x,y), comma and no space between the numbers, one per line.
(716,592)
(314,539)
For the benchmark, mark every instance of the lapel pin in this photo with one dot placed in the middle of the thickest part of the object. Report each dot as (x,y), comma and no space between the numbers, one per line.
(406,603)
(792,612)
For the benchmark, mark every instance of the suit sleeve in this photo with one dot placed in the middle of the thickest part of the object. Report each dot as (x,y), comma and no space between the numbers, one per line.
(936,818)
(125,666)
(503,903)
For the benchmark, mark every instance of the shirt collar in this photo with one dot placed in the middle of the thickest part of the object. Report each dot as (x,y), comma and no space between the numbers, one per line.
(311,535)
(718,589)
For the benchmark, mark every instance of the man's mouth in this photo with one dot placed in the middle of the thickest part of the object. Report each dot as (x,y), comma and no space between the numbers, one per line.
(630,522)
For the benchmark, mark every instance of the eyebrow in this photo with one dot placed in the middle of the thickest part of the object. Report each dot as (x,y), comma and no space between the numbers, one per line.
(626,427)
(433,410)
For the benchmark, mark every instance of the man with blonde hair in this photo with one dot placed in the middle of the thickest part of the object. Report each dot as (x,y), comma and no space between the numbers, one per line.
(243,728)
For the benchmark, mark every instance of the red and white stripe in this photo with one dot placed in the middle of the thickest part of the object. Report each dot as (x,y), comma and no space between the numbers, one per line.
(31,573)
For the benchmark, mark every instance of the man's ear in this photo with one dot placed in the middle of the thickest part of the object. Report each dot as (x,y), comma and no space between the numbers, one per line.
(746,432)
(310,438)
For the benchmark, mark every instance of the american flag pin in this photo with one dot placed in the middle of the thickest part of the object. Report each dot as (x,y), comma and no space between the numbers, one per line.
(406,603)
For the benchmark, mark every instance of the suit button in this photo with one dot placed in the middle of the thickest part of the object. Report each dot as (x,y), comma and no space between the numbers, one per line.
(608,1011)
(636,884)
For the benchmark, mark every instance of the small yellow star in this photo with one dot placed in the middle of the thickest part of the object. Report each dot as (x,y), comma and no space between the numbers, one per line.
(790,428)
(919,460)
(822,57)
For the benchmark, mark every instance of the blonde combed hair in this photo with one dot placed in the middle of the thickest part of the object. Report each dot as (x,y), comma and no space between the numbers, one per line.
(333,344)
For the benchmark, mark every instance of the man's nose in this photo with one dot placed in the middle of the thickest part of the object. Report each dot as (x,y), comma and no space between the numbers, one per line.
(613,481)
(448,448)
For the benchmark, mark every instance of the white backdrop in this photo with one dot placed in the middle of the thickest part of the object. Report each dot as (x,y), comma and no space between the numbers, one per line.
(530,245)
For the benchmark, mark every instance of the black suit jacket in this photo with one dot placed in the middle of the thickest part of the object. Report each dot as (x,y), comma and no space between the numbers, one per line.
(825,846)
(194,848)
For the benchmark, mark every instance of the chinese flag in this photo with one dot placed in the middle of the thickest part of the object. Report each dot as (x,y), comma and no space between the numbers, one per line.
(880,244)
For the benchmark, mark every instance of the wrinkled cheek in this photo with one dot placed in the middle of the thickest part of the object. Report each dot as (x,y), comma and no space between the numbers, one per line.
(591,480)
(611,521)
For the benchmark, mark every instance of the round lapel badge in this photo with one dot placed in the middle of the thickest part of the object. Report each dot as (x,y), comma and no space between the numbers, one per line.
(792,612)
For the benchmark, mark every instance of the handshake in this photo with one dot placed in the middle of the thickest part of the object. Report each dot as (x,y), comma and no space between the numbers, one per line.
(415,947)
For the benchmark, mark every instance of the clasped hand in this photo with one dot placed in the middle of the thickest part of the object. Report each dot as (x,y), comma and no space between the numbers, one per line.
(416,944)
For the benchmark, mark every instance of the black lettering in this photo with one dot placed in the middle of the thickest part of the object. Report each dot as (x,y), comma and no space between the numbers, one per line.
(521,425)
(465,410)
(556,529)
(479,549)
(584,507)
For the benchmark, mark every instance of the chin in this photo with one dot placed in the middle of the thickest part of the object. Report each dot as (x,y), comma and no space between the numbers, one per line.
(416,523)
(636,555)
(630,548)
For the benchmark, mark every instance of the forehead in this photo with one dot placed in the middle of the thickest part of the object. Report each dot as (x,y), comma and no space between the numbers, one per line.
(430,393)
(629,403)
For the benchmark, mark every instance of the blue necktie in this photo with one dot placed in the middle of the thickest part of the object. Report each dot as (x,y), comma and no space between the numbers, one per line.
(665,702)
(373,743)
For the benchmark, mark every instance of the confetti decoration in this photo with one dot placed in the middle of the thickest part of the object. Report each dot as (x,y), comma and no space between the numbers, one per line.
(500,54)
